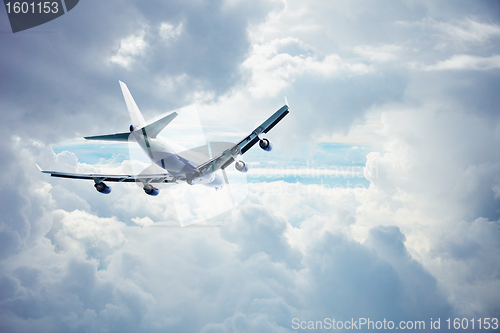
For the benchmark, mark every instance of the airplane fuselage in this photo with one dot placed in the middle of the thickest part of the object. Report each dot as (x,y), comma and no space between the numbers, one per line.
(166,155)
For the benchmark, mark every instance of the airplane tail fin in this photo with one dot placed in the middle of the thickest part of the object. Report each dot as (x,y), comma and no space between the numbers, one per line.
(152,128)
(135,115)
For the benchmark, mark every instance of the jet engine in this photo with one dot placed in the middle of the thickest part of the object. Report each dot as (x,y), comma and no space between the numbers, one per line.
(241,166)
(102,188)
(151,190)
(266,144)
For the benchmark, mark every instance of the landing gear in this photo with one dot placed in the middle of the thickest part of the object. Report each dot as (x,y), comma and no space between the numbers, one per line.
(190,178)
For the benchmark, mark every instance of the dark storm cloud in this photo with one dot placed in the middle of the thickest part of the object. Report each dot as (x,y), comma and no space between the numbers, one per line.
(214,41)
(62,74)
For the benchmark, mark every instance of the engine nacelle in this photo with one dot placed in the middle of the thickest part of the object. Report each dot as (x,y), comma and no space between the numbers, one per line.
(241,166)
(102,188)
(151,190)
(265,144)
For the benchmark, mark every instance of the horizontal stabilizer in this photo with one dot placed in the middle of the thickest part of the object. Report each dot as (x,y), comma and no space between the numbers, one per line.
(110,137)
(156,126)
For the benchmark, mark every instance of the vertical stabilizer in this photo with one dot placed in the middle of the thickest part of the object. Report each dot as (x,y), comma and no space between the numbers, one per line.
(135,114)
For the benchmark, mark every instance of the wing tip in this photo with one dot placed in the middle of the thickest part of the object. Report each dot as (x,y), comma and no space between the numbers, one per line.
(39,167)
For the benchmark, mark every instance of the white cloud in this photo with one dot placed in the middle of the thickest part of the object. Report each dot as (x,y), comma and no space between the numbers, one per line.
(420,242)
(79,230)
(469,256)
(466,62)
(285,255)
(379,53)
(130,48)
(169,32)
(240,322)
(143,222)
(164,276)
(467,32)
(433,181)
(273,69)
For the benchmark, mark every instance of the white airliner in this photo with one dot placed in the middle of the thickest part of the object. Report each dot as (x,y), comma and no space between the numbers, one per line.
(181,165)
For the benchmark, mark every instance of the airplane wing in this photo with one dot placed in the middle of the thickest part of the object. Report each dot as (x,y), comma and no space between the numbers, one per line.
(227,157)
(145,178)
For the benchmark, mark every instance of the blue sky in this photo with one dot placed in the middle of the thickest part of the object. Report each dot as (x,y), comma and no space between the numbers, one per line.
(331,164)
(401,96)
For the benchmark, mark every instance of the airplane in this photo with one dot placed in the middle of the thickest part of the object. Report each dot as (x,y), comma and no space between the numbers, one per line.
(180,165)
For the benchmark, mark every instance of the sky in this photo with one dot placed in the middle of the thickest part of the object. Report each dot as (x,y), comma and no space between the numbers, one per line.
(394,126)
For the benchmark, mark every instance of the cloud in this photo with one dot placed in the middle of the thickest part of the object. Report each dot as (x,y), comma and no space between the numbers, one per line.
(466,62)
(144,222)
(457,34)
(79,230)
(421,241)
(285,256)
(198,268)
(346,280)
(264,235)
(273,70)
(467,32)
(120,42)
(428,186)
(243,323)
(381,53)
(168,31)
(471,251)
(132,48)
